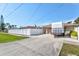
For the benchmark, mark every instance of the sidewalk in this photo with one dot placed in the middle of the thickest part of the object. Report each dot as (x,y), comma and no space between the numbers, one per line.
(71,41)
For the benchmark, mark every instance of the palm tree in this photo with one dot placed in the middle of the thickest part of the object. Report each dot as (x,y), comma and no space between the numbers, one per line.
(13,26)
(8,26)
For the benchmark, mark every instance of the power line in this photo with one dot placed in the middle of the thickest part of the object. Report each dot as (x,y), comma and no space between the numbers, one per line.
(35,11)
(4,8)
(14,10)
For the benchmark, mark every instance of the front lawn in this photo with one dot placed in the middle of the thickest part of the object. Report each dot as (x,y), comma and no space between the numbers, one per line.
(69,49)
(4,37)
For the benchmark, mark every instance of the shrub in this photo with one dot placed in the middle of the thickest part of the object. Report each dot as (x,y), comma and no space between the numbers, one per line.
(74,33)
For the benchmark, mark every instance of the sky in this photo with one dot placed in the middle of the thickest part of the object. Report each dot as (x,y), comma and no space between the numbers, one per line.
(38,13)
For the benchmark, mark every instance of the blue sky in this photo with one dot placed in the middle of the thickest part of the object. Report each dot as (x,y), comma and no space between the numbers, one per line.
(45,13)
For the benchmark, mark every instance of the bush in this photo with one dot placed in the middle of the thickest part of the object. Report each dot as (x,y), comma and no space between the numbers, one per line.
(74,33)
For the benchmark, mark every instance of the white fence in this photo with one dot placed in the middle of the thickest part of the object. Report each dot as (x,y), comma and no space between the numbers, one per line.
(26,31)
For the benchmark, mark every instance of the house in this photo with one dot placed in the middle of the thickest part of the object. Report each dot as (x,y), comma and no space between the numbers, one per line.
(70,27)
(27,30)
(54,28)
(60,28)
(31,27)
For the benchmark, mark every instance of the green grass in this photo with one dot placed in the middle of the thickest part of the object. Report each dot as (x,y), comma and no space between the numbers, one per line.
(69,49)
(4,37)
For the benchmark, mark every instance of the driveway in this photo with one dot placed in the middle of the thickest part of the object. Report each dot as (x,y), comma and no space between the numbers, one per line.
(42,45)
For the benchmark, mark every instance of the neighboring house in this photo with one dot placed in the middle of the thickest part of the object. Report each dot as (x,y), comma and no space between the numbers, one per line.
(28,30)
(31,27)
(70,27)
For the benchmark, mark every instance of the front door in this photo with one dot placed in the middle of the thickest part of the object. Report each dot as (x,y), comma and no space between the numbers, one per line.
(48,31)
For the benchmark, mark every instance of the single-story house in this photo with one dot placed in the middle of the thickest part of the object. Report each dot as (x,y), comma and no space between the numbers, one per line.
(60,28)
(54,28)
(70,27)
(28,30)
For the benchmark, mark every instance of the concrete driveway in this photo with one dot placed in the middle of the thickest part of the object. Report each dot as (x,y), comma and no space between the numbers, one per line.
(42,45)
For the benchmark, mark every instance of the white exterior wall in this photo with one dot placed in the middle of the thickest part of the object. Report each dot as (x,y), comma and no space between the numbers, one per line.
(36,31)
(26,31)
(76,29)
(57,27)
(19,31)
(78,32)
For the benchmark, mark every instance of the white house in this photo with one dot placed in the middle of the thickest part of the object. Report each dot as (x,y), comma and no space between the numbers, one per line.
(29,30)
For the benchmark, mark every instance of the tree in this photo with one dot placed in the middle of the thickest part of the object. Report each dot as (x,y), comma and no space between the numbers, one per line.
(69,22)
(77,21)
(8,26)
(2,26)
(13,26)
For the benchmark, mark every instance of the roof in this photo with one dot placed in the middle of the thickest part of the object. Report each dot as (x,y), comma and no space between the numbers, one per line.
(31,27)
(71,24)
(47,26)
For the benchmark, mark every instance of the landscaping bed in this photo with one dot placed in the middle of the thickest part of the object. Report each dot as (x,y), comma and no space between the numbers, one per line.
(5,37)
(69,50)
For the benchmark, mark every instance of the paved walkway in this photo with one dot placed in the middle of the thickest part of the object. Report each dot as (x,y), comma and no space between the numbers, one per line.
(43,45)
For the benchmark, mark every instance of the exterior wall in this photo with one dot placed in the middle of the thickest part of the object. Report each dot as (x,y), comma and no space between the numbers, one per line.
(78,32)
(36,31)
(47,30)
(26,31)
(68,29)
(57,25)
(76,29)
(19,31)
(57,28)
